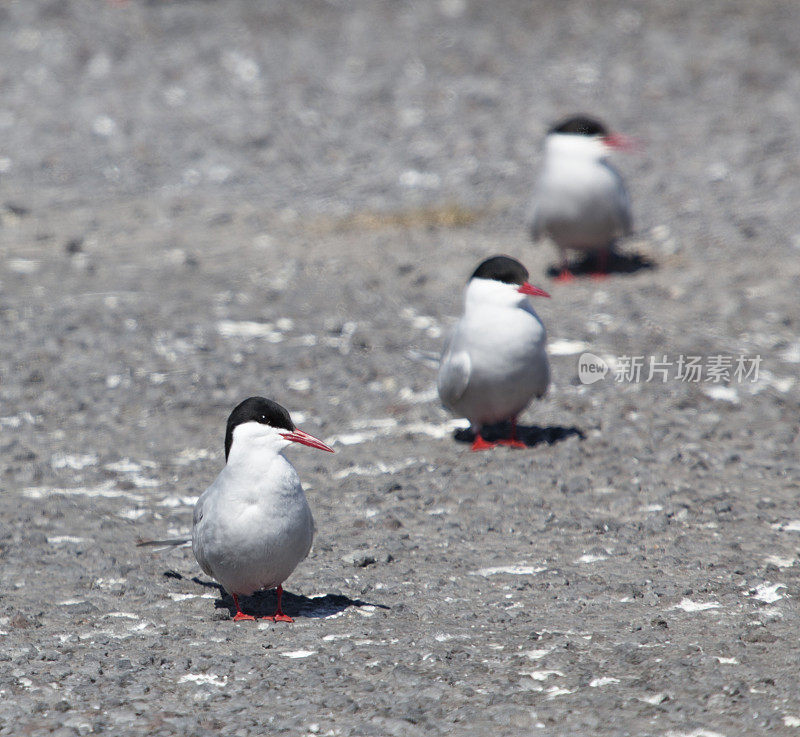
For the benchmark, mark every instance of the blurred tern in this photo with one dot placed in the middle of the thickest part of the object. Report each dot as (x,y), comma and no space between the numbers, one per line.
(580,201)
(495,362)
(253,525)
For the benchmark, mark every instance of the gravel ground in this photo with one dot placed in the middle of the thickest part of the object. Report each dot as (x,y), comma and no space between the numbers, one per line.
(201,201)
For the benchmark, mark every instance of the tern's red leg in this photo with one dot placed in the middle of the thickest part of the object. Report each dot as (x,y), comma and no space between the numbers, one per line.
(480,444)
(240,615)
(513,441)
(602,265)
(279,616)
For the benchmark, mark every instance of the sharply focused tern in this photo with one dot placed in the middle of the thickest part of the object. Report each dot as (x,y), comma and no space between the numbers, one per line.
(253,525)
(495,361)
(580,201)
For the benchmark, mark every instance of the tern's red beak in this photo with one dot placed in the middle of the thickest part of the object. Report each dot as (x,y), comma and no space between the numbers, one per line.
(532,290)
(620,142)
(298,436)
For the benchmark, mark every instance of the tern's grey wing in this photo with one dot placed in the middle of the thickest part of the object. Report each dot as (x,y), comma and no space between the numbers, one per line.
(198,547)
(622,200)
(197,516)
(455,368)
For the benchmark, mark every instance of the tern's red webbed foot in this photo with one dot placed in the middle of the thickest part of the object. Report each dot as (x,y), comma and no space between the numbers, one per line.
(240,616)
(512,443)
(279,616)
(564,276)
(480,444)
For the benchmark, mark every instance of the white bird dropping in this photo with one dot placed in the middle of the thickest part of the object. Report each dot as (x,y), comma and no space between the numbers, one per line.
(253,525)
(494,361)
(580,201)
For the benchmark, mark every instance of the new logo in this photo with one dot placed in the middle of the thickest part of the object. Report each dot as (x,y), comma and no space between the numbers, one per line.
(591,368)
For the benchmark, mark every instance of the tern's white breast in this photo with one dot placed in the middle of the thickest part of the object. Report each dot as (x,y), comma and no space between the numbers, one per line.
(508,363)
(580,201)
(254,526)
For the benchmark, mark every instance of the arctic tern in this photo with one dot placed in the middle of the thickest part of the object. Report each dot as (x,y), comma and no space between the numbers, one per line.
(253,525)
(580,201)
(495,361)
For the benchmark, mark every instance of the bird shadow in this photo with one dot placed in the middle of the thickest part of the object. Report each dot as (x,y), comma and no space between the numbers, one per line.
(530,435)
(617,263)
(263,603)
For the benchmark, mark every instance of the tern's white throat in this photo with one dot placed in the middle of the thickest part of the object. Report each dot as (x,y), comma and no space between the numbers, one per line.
(481,293)
(569,145)
(254,442)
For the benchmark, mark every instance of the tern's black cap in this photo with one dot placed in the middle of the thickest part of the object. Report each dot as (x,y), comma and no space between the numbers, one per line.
(257,409)
(581,125)
(502,268)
